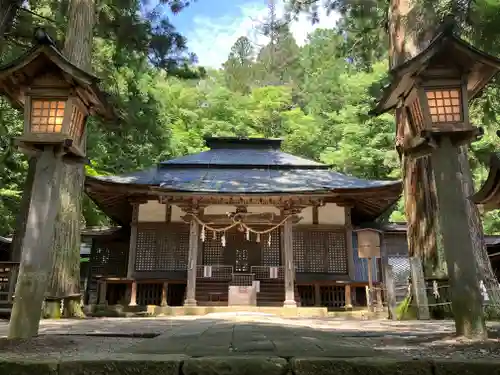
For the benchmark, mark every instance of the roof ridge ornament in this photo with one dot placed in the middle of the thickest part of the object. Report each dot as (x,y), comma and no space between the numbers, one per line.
(41,37)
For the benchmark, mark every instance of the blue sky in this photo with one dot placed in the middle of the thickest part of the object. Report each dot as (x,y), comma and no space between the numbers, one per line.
(212,26)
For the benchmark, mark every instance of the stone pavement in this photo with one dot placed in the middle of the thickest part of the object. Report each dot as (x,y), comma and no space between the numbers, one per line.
(246,344)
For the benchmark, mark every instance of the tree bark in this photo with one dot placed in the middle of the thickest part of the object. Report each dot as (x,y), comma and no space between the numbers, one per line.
(64,285)
(22,216)
(483,263)
(421,233)
(36,259)
(8,12)
(458,239)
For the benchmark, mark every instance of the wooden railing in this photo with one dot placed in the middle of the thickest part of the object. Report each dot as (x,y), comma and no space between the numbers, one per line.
(264,273)
(216,272)
(8,279)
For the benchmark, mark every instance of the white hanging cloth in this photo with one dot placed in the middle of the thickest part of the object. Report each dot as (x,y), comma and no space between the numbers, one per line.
(484,292)
(207,271)
(273,272)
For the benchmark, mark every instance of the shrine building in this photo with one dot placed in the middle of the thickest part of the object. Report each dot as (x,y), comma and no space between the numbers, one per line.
(244,215)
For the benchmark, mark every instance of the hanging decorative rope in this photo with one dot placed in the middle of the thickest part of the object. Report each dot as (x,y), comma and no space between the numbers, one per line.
(269,240)
(241,224)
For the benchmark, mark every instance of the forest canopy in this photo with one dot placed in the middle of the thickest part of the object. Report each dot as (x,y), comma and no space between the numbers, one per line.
(316,97)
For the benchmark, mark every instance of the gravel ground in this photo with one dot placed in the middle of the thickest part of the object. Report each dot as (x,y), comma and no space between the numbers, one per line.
(65,338)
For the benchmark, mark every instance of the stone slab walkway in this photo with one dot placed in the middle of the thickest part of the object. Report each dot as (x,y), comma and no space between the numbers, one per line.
(250,335)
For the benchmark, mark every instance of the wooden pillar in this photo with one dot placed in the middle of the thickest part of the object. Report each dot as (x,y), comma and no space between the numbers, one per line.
(350,252)
(36,256)
(12,283)
(388,279)
(317,295)
(103,288)
(133,293)
(390,292)
(289,264)
(453,217)
(418,288)
(192,260)
(348,297)
(133,240)
(380,303)
(368,297)
(370,282)
(164,291)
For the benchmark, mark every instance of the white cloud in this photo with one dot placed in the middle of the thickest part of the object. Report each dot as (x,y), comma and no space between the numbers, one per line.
(211,38)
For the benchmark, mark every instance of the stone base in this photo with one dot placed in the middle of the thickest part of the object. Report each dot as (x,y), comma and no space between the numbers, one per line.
(306,312)
(289,303)
(190,303)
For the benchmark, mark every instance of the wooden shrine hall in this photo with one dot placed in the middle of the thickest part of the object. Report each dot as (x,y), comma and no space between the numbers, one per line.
(243,223)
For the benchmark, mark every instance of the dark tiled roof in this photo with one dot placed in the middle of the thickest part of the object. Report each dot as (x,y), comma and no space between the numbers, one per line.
(243,166)
(255,180)
(235,165)
(244,157)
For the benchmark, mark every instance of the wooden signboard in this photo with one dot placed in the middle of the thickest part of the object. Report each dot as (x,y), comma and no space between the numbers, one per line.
(368,243)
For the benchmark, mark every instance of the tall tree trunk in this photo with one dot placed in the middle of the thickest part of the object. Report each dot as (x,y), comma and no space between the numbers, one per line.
(64,284)
(420,201)
(22,216)
(483,263)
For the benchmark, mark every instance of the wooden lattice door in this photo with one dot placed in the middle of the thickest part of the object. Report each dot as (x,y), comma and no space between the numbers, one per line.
(241,253)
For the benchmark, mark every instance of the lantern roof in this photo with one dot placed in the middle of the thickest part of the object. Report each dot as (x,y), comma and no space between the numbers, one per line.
(448,51)
(42,59)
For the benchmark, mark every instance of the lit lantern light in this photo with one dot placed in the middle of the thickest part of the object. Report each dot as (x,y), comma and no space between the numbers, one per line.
(432,91)
(57,98)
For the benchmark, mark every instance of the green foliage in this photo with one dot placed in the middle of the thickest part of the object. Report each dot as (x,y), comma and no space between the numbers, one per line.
(317,97)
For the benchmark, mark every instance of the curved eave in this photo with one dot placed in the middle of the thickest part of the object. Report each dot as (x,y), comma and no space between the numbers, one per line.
(113,198)
(55,56)
(489,193)
(402,76)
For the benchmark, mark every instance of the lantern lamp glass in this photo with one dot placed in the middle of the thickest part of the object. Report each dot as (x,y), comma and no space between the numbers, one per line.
(444,104)
(47,115)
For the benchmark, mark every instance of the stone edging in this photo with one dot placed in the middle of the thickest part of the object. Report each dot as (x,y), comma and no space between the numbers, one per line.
(132,364)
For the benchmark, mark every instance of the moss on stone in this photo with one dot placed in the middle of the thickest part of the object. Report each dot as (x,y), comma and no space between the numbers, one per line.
(24,367)
(125,365)
(359,366)
(467,367)
(247,365)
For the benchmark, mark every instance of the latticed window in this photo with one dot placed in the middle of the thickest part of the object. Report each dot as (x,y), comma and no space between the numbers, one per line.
(417,119)
(320,251)
(444,105)
(162,248)
(271,252)
(213,252)
(47,115)
(76,124)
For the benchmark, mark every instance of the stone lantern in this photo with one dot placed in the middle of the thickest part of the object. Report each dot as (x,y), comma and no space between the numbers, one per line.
(430,94)
(433,89)
(56,96)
